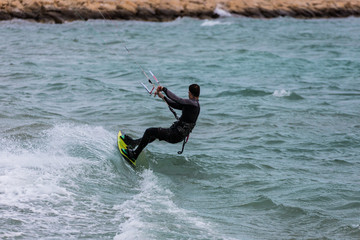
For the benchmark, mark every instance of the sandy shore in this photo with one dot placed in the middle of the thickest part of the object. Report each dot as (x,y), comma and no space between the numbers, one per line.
(58,11)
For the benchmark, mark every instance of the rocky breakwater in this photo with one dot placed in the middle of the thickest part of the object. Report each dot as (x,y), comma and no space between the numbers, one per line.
(58,11)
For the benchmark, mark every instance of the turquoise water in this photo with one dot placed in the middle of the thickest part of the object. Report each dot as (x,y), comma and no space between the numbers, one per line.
(275,153)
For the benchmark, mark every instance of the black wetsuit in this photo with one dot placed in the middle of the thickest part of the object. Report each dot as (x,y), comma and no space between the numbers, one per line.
(179,129)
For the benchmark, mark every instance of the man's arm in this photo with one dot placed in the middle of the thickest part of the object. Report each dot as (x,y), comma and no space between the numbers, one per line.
(169,101)
(174,98)
(173,104)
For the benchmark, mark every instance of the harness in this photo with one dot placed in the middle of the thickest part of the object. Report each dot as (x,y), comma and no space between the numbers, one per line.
(184,128)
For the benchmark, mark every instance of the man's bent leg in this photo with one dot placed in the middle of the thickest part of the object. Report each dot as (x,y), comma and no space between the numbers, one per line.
(149,136)
(167,134)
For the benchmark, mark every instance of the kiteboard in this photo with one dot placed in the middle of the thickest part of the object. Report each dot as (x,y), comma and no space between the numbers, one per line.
(122,144)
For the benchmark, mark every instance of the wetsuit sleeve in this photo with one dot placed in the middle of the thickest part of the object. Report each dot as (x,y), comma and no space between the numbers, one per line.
(173,104)
(177,102)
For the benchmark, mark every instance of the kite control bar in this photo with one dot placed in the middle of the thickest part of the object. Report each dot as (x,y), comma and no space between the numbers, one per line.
(153,87)
(149,80)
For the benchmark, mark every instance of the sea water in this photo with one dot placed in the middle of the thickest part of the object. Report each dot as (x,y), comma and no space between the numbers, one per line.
(274,154)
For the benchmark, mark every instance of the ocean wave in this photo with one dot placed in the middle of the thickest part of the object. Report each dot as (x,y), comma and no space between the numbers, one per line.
(351,205)
(266,203)
(29,63)
(287,94)
(153,208)
(247,166)
(210,23)
(222,12)
(341,162)
(43,179)
(261,202)
(248,92)
(281,93)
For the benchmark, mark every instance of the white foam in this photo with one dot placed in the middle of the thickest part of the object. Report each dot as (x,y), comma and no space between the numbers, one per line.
(210,23)
(221,12)
(30,177)
(36,173)
(154,210)
(70,134)
(281,93)
(355,226)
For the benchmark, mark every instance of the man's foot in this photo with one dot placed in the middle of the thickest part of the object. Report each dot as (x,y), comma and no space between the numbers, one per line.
(128,141)
(129,153)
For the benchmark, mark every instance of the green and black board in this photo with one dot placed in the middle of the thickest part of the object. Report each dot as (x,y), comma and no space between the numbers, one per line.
(122,144)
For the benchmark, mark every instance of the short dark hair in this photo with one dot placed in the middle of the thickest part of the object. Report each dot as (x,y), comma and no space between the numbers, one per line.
(195,90)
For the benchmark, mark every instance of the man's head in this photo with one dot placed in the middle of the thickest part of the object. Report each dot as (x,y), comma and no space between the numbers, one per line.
(194,90)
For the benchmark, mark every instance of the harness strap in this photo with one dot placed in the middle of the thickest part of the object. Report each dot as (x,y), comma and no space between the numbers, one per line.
(173,112)
(184,142)
(186,129)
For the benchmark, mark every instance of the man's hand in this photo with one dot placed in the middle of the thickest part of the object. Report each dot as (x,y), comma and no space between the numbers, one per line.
(158,92)
(159,88)
(161,95)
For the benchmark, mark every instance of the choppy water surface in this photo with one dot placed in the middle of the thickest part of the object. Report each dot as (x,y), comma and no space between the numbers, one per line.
(275,153)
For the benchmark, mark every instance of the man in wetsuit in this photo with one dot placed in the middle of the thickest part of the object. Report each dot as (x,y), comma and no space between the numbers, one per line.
(178,131)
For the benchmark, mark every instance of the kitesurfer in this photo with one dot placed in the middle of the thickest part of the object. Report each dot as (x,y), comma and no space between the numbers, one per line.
(178,131)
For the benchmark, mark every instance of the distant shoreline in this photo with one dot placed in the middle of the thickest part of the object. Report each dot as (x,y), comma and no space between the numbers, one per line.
(59,11)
